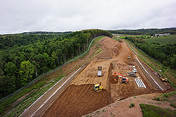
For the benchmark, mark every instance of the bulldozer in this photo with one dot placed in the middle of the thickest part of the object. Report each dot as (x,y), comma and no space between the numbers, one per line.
(98,87)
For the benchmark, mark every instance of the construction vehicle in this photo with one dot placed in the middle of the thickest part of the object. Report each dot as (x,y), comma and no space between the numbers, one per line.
(99,71)
(98,87)
(162,78)
(131,74)
(124,79)
(115,76)
(134,70)
(129,57)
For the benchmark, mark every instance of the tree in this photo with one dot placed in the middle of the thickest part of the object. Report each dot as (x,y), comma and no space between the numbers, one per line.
(26,70)
(10,69)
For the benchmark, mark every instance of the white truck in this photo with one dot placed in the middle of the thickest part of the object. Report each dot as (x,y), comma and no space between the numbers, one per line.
(99,71)
(134,70)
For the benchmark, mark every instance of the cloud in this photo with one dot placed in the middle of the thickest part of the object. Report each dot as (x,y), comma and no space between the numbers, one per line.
(68,15)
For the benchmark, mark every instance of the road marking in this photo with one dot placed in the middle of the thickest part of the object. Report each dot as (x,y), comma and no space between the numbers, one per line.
(42,96)
(139,82)
(149,74)
(54,93)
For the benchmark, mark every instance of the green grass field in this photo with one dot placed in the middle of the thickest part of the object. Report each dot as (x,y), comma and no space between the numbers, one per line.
(163,40)
(154,111)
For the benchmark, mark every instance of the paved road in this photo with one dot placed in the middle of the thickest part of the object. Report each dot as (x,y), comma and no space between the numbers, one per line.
(40,105)
(153,79)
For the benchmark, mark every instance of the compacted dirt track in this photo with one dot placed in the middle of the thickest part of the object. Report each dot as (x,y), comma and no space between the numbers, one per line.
(78,100)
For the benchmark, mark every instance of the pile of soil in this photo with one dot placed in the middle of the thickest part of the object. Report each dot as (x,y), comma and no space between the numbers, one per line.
(110,47)
(112,81)
(78,100)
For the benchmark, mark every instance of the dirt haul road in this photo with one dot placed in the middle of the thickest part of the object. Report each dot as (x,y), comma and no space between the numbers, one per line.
(79,98)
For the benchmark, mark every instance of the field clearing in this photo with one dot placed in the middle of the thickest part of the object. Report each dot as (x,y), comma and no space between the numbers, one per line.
(163,40)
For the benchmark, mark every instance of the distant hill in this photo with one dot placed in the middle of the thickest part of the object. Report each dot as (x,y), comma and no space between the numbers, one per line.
(152,31)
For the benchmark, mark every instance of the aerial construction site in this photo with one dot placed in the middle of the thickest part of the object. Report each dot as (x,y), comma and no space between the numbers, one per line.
(116,72)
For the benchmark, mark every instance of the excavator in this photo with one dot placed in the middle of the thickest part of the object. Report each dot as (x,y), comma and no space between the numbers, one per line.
(124,79)
(98,87)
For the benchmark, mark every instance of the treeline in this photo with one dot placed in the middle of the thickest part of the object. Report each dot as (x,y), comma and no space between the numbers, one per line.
(20,63)
(129,32)
(166,54)
(44,32)
(17,40)
(151,32)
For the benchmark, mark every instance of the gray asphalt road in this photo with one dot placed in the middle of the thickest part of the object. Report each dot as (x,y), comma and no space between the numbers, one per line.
(40,105)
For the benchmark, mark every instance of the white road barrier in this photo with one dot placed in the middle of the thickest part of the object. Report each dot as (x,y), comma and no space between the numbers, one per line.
(149,74)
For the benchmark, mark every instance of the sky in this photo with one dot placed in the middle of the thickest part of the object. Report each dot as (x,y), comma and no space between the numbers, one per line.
(18,16)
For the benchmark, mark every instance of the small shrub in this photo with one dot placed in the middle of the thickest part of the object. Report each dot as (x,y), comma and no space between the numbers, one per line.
(104,110)
(166,95)
(173,104)
(158,99)
(98,111)
(132,104)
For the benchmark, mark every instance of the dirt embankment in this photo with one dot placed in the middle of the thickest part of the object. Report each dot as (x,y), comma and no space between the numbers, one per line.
(78,100)
(121,108)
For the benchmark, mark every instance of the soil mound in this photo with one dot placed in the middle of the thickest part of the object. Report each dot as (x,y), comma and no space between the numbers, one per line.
(78,100)
(110,47)
(112,81)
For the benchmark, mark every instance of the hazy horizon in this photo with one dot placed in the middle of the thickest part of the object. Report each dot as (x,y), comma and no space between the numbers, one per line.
(60,16)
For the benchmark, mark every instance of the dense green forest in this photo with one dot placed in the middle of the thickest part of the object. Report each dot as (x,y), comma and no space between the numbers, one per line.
(165,53)
(144,31)
(23,57)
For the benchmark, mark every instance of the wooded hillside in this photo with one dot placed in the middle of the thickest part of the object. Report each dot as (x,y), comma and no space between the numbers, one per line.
(23,57)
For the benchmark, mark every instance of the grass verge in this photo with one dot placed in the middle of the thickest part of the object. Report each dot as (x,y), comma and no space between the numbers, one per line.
(166,97)
(19,108)
(154,111)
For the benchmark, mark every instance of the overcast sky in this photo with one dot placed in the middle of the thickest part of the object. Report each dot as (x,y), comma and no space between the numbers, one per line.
(73,15)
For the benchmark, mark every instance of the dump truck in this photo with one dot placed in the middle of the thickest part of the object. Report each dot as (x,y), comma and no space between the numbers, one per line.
(99,71)
(98,87)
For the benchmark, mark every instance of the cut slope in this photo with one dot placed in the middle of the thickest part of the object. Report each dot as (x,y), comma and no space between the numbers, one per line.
(78,100)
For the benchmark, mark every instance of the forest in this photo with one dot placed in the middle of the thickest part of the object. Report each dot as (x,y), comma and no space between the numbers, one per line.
(165,53)
(145,31)
(25,56)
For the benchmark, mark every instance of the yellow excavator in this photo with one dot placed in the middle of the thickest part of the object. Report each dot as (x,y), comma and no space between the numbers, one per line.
(98,87)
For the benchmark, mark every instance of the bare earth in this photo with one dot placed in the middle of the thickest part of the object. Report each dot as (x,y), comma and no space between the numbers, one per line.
(79,98)
(121,108)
